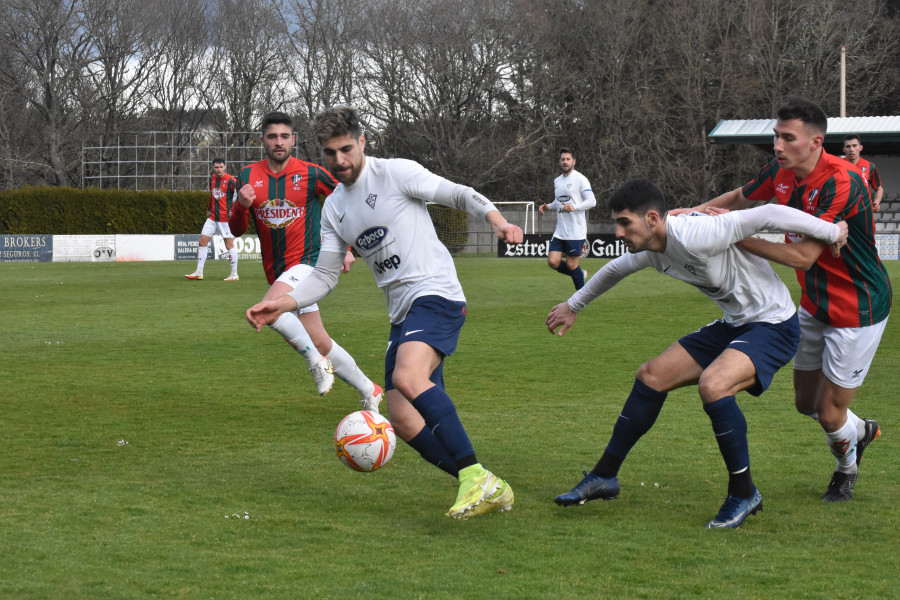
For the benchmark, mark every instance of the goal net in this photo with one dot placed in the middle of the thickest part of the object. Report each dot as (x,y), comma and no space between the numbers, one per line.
(463,233)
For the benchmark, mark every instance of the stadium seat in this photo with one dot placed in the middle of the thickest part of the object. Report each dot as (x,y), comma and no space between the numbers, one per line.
(879,227)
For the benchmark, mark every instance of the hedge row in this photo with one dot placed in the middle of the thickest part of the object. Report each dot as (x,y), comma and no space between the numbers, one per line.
(72,211)
(92,211)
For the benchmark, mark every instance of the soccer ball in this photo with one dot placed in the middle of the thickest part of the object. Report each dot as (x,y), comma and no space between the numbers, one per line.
(364,441)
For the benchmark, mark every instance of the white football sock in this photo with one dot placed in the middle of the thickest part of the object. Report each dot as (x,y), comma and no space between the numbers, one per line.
(843,446)
(202,251)
(345,368)
(233,258)
(292,330)
(858,423)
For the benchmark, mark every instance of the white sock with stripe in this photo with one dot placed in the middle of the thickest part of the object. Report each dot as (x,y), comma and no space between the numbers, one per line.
(293,332)
(345,368)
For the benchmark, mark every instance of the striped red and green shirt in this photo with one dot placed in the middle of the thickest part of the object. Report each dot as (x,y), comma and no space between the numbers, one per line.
(221,196)
(288,211)
(869,173)
(850,291)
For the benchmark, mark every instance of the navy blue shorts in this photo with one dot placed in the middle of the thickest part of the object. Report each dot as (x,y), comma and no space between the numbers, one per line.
(769,345)
(433,320)
(568,247)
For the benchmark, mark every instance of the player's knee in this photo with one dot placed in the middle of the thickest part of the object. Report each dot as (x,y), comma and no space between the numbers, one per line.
(647,375)
(710,390)
(322,343)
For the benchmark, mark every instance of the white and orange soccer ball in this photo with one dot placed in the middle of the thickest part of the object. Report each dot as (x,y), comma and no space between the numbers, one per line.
(365,441)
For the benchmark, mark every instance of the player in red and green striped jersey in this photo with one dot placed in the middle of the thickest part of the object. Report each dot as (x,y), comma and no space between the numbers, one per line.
(222,188)
(846,299)
(852,148)
(285,195)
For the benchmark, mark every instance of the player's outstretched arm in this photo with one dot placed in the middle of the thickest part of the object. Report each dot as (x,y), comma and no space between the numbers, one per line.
(798,255)
(506,232)
(733,200)
(562,317)
(268,311)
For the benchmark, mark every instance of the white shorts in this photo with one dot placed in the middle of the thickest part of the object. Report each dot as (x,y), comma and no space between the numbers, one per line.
(843,353)
(294,277)
(211,228)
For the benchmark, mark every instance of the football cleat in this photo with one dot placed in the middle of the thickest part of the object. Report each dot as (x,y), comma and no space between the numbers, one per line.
(840,488)
(872,433)
(486,488)
(592,487)
(232,278)
(735,511)
(323,374)
(195,275)
(500,501)
(371,403)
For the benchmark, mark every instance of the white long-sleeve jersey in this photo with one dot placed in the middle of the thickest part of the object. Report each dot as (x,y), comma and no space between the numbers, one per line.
(700,251)
(573,189)
(383,215)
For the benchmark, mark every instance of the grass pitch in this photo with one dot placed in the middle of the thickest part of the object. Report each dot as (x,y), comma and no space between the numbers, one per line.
(152,445)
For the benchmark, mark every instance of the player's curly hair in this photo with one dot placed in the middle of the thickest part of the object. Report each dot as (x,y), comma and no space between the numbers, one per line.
(638,195)
(335,122)
(804,109)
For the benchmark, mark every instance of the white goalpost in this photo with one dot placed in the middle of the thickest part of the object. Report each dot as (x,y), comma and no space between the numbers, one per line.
(462,233)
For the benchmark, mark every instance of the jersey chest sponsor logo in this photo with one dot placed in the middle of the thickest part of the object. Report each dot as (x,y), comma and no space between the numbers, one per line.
(371,238)
(218,194)
(564,199)
(279,213)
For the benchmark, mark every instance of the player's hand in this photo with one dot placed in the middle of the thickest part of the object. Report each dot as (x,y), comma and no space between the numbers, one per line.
(568,208)
(509,233)
(561,317)
(268,311)
(841,241)
(876,205)
(542,208)
(349,259)
(679,211)
(246,195)
(715,210)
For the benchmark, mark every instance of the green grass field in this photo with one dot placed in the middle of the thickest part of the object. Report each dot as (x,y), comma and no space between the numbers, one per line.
(142,419)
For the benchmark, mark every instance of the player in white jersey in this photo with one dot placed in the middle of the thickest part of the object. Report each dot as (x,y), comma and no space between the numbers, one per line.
(572,198)
(758,334)
(380,209)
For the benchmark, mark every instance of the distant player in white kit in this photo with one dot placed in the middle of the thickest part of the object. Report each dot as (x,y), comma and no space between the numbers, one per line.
(380,209)
(757,335)
(572,199)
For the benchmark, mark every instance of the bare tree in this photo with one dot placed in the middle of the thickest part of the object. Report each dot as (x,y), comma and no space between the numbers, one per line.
(246,63)
(180,37)
(323,63)
(121,64)
(48,48)
(436,85)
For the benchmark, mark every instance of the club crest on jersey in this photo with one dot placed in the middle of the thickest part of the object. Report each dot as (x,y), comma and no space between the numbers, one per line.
(690,269)
(279,213)
(371,238)
(295,179)
(371,200)
(258,183)
(811,201)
